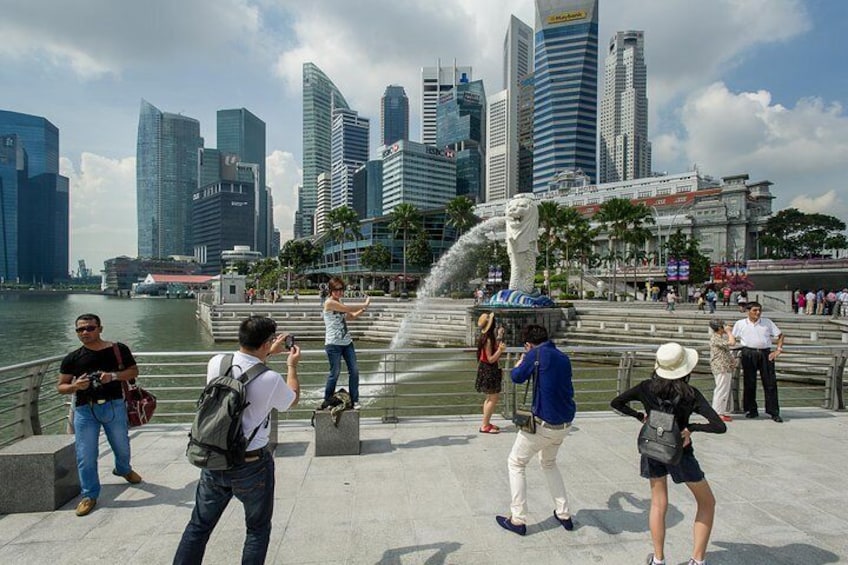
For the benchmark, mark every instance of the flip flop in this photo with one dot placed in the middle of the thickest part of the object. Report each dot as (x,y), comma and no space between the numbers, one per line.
(490,429)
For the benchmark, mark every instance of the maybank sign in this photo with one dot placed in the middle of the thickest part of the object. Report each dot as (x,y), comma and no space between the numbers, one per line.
(566,17)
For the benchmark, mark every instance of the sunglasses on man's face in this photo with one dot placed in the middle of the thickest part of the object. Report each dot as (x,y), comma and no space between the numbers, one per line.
(88,329)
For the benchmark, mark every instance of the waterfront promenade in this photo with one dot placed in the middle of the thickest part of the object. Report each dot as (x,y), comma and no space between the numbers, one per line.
(426,490)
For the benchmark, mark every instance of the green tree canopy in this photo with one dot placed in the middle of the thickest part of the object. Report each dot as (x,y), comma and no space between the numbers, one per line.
(420,253)
(375,258)
(299,254)
(460,214)
(791,233)
(343,225)
(405,219)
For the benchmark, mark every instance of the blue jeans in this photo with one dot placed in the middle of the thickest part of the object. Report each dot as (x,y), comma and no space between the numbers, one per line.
(88,418)
(335,354)
(253,485)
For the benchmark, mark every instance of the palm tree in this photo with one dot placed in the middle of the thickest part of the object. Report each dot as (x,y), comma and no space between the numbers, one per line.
(460,214)
(404,219)
(344,225)
(623,221)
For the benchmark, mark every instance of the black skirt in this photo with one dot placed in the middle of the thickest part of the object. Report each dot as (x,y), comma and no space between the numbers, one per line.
(489,378)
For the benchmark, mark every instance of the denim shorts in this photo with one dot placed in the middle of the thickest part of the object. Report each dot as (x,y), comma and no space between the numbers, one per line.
(687,471)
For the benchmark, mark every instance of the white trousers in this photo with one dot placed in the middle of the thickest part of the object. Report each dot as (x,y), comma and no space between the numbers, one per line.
(721,394)
(546,443)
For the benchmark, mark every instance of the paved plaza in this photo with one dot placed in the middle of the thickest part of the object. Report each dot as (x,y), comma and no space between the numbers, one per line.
(426,491)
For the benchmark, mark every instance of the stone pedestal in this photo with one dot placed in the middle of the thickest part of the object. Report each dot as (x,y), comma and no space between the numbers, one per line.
(39,474)
(333,440)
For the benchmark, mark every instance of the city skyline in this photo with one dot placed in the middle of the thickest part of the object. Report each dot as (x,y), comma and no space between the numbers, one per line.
(725,93)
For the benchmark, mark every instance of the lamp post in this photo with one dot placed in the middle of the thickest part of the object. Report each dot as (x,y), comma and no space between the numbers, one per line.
(614,258)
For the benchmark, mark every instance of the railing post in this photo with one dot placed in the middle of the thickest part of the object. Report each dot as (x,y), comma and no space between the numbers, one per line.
(29,419)
(390,386)
(837,371)
(625,371)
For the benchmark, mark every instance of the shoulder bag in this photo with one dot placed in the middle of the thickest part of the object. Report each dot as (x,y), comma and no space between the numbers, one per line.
(522,415)
(140,403)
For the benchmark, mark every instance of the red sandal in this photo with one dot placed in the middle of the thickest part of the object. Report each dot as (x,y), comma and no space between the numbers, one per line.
(490,429)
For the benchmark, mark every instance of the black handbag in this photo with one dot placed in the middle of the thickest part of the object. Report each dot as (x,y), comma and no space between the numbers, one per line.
(522,415)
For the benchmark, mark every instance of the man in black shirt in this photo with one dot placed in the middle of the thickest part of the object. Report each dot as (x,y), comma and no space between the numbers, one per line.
(93,374)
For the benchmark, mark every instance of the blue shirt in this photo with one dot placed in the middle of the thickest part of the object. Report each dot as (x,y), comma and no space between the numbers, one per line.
(554,398)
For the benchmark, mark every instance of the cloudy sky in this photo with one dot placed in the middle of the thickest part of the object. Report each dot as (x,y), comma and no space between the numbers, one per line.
(755,86)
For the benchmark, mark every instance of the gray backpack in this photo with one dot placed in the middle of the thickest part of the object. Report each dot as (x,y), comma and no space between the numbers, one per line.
(217,441)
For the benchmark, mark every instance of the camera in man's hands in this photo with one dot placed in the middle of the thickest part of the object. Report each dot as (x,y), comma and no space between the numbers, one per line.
(289,343)
(95,379)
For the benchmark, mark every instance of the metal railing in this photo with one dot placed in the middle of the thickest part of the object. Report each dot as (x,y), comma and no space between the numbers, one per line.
(396,383)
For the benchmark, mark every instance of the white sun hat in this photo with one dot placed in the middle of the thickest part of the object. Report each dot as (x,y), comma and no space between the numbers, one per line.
(675,361)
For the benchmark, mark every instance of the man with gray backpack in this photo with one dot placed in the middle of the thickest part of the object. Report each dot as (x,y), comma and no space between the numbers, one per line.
(229,438)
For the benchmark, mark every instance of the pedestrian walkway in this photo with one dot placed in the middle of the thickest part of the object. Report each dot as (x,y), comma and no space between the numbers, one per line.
(426,491)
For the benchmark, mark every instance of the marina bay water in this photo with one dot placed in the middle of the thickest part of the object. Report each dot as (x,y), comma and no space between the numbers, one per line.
(34,325)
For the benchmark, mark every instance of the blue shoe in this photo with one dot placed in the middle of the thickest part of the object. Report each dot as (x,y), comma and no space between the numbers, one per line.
(506,523)
(567,523)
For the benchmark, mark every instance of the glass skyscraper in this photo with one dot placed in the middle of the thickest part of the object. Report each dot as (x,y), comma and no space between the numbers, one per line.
(349,151)
(461,119)
(34,218)
(394,115)
(566,89)
(320,97)
(436,81)
(242,133)
(417,174)
(625,152)
(166,177)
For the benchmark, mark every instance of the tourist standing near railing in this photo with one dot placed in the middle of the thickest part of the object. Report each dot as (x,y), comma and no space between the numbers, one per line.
(338,343)
(553,411)
(92,374)
(755,334)
(669,383)
(251,482)
(722,365)
(490,346)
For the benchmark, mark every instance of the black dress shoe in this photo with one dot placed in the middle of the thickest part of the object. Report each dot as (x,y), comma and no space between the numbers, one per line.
(777,419)
(751,415)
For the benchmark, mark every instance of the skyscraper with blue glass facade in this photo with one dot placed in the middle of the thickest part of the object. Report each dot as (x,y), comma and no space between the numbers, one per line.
(394,115)
(461,128)
(349,151)
(166,177)
(243,134)
(566,89)
(320,97)
(34,218)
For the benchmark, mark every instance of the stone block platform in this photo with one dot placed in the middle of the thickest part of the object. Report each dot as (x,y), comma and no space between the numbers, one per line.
(38,474)
(426,491)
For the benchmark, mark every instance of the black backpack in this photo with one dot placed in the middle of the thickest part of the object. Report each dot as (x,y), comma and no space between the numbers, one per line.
(659,438)
(217,441)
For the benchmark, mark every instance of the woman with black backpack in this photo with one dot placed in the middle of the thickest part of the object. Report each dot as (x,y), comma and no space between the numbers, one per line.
(669,388)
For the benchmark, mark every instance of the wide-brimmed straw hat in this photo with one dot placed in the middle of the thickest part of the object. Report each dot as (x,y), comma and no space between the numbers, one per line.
(484,322)
(675,361)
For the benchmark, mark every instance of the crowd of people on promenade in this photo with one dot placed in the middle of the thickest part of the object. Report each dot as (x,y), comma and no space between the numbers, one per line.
(93,375)
(820,302)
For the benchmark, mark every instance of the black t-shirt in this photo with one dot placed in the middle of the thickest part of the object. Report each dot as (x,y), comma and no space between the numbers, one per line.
(84,361)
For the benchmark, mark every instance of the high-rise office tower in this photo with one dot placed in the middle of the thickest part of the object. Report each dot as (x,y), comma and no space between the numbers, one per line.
(461,119)
(320,97)
(625,152)
(417,174)
(34,204)
(322,209)
(566,89)
(526,99)
(166,178)
(394,115)
(374,193)
(243,134)
(436,81)
(349,151)
(502,148)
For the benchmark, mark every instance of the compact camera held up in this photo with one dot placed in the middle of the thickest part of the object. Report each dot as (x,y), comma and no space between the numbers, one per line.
(96,379)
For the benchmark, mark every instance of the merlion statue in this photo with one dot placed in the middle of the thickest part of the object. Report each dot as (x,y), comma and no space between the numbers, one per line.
(522,234)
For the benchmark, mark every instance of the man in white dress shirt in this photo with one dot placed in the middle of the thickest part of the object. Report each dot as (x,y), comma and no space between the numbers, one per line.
(755,334)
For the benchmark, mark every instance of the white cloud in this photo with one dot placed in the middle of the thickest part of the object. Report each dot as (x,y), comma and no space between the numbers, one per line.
(102,37)
(283,174)
(801,149)
(822,204)
(102,208)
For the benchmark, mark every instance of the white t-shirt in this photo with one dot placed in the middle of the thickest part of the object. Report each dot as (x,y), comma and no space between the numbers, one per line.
(268,390)
(757,336)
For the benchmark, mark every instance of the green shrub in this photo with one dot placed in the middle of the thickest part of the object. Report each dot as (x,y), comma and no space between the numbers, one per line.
(375,292)
(590,294)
